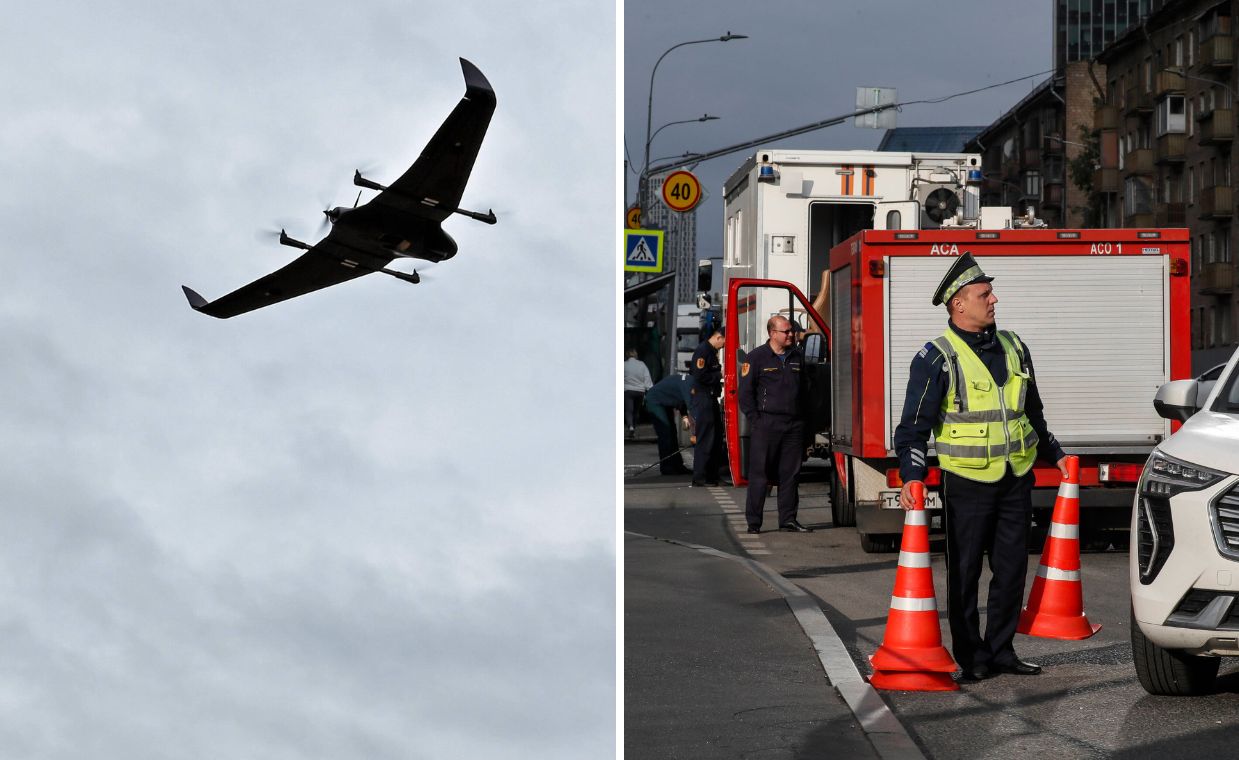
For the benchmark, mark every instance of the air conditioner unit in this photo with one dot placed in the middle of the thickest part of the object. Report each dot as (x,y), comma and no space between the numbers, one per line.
(939,202)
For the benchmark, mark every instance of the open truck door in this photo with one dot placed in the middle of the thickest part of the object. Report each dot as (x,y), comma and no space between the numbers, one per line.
(750,303)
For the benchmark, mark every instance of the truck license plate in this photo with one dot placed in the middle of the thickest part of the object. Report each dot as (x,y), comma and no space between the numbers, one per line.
(890,500)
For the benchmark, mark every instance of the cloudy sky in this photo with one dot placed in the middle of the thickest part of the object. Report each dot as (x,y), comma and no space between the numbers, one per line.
(802,63)
(376,521)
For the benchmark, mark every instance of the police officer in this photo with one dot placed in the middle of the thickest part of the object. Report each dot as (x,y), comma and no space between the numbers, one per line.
(707,375)
(771,395)
(973,388)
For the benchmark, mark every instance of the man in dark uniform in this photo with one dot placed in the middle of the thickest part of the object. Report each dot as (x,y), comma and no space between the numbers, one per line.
(707,375)
(661,400)
(974,389)
(771,396)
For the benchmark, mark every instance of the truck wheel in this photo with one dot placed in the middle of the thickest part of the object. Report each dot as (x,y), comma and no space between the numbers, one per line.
(842,510)
(878,543)
(1169,672)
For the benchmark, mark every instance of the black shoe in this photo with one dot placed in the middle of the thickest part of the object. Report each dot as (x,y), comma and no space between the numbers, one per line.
(791,526)
(978,672)
(699,484)
(1018,668)
(754,529)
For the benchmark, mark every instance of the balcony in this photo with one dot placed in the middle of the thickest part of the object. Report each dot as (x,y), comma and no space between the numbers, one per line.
(1215,202)
(1169,215)
(1106,181)
(1171,148)
(1032,157)
(1143,219)
(1138,101)
(1168,82)
(1106,117)
(1217,126)
(1139,162)
(1217,52)
(1217,278)
(1052,196)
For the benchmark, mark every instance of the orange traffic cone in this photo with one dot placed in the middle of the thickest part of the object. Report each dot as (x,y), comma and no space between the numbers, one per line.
(912,657)
(1055,607)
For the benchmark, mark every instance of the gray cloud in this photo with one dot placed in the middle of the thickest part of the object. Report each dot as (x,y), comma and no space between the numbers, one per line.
(377,521)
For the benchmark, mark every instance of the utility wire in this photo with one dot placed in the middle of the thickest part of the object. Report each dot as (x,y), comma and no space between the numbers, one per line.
(795,131)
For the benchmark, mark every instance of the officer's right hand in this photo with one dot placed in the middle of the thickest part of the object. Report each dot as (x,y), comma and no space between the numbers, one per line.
(905,495)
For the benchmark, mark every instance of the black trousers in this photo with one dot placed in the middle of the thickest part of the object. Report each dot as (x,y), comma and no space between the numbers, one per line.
(993,519)
(671,463)
(776,446)
(708,424)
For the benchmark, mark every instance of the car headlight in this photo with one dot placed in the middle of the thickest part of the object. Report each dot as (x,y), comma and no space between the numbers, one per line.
(1164,476)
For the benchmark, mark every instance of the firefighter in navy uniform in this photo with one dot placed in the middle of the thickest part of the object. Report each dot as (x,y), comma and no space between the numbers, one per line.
(707,375)
(974,389)
(772,397)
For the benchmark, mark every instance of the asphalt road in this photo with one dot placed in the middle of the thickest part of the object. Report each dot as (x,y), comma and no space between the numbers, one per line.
(1087,702)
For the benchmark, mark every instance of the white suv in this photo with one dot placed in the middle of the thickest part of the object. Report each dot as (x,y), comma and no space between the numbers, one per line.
(1185,554)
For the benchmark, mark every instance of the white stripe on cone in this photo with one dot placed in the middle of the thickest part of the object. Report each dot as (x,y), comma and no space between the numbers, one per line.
(1062,530)
(914,604)
(1054,574)
(913,559)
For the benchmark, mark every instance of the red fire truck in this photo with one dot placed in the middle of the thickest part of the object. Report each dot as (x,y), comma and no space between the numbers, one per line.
(1105,314)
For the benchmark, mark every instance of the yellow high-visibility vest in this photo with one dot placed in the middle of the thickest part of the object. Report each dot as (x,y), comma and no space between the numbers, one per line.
(982,426)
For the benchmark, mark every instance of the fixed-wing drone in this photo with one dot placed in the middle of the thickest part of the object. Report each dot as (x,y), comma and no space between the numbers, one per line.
(403,221)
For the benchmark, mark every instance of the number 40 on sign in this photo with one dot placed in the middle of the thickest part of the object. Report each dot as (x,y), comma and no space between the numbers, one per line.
(681,191)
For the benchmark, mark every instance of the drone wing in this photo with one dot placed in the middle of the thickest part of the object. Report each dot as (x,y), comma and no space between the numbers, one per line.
(432,187)
(324,265)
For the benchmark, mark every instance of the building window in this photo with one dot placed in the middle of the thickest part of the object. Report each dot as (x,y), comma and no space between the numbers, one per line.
(1170,115)
(1206,241)
(1191,48)
(1032,184)
(1222,245)
(1191,123)
(1177,59)
(1191,184)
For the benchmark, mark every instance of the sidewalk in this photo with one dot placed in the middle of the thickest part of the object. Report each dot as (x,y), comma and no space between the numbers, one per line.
(723,657)
(716,666)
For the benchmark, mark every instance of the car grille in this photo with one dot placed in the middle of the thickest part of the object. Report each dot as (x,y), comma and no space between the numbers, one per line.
(1205,609)
(1225,514)
(1155,540)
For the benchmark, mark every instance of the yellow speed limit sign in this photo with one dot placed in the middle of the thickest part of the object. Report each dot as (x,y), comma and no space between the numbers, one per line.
(681,191)
(633,218)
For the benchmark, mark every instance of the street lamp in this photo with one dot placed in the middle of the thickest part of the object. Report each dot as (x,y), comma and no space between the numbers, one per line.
(649,107)
(703,117)
(1223,85)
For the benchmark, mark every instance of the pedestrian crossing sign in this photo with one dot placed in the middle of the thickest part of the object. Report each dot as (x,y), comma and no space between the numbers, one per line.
(643,250)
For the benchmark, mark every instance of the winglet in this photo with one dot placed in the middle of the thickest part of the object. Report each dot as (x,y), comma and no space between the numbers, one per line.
(195,300)
(476,86)
(199,303)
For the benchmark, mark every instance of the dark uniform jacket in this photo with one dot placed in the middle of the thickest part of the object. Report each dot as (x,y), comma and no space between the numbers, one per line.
(705,370)
(770,385)
(673,392)
(929,381)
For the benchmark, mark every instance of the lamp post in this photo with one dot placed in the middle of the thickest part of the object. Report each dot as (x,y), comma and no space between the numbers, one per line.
(703,117)
(649,108)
